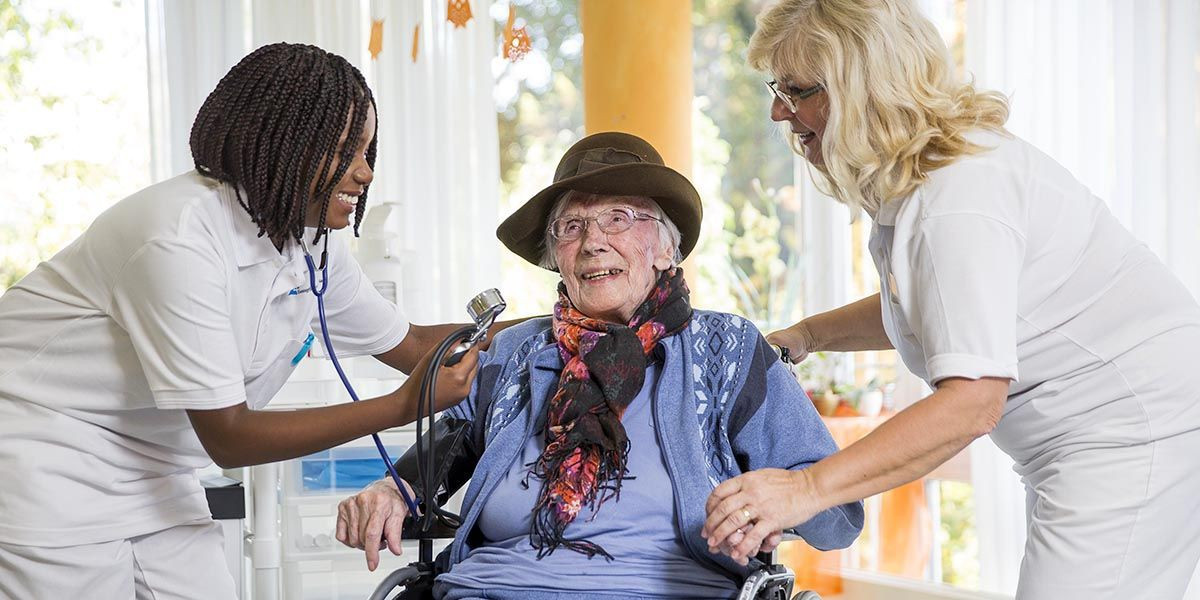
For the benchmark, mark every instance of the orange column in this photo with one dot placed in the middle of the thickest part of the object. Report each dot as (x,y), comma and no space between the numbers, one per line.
(637,73)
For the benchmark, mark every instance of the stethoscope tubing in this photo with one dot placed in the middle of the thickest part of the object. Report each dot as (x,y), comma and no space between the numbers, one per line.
(320,294)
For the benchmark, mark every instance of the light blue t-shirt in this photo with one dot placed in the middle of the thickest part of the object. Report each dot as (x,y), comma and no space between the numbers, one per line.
(638,530)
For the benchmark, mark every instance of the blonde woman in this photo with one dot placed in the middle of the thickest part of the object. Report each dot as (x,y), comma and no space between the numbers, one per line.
(1010,288)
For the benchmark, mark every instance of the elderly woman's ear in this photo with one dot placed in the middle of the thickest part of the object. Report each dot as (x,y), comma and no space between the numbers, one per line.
(666,253)
(664,260)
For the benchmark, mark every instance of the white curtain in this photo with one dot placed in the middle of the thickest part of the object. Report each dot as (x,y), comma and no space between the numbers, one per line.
(1111,90)
(825,243)
(440,154)
(438,164)
(190,45)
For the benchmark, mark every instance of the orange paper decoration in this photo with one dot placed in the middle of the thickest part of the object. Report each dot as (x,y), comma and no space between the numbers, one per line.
(458,12)
(416,41)
(375,45)
(516,40)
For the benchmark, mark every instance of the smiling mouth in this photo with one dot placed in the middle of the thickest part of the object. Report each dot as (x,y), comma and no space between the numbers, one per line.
(805,137)
(594,275)
(347,199)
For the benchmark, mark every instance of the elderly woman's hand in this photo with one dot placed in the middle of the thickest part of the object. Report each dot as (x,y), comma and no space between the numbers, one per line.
(748,513)
(373,519)
(796,339)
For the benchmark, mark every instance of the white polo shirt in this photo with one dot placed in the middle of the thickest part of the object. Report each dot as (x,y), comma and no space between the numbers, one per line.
(1002,264)
(169,301)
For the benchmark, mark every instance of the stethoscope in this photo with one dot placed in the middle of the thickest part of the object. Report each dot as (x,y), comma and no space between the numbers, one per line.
(319,292)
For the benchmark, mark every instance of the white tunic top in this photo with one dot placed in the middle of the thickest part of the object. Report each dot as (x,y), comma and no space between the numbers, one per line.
(1002,264)
(169,301)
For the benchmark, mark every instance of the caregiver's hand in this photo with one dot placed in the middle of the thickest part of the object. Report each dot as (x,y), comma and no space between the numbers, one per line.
(796,339)
(748,513)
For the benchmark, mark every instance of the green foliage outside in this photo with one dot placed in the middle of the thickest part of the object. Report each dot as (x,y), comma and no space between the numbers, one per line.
(741,165)
(539,104)
(956,533)
(65,115)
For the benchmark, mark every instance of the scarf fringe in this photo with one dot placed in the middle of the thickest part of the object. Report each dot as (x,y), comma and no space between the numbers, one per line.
(575,468)
(598,477)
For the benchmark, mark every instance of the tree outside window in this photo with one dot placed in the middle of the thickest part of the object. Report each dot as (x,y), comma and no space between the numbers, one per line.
(73,121)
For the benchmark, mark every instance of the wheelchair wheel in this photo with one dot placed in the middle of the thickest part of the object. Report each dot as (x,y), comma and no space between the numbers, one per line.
(807,595)
(407,583)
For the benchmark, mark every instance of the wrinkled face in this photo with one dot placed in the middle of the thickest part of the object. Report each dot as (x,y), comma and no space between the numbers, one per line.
(808,121)
(608,275)
(345,194)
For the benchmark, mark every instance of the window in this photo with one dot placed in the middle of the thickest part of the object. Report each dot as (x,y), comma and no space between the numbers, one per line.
(539,101)
(73,121)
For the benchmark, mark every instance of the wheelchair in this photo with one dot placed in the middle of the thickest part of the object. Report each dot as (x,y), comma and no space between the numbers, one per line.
(431,464)
(772,581)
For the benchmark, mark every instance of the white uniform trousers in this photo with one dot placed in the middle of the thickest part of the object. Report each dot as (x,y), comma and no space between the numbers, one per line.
(181,563)
(1115,523)
(1111,466)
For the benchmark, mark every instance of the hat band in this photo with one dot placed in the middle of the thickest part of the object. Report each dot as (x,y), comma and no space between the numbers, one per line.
(598,158)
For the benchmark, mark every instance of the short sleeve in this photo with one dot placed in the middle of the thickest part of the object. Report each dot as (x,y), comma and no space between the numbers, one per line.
(361,321)
(960,294)
(172,301)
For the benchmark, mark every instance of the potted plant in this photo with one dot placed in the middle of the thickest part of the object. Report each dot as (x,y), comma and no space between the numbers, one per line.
(870,399)
(817,375)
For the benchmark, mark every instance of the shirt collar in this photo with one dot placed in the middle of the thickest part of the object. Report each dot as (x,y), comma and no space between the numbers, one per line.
(250,248)
(888,212)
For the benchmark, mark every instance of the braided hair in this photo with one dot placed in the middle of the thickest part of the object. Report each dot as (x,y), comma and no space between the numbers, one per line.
(271,128)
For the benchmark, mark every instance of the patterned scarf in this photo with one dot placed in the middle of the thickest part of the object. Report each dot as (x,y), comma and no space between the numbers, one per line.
(586,447)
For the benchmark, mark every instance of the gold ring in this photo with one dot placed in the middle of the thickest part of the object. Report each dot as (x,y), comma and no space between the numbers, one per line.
(746,513)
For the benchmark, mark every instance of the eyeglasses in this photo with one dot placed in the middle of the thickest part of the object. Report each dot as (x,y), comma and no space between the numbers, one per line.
(790,99)
(611,221)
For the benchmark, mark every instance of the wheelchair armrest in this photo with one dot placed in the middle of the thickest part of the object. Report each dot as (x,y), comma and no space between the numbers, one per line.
(455,460)
(768,558)
(412,530)
(773,581)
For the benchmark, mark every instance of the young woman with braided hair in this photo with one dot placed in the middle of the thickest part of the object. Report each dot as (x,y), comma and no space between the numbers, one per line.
(144,347)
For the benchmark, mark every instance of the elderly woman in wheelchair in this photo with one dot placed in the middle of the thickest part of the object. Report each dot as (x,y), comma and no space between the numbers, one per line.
(593,438)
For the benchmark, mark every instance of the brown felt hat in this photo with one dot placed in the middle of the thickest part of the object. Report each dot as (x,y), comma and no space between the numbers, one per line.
(610,163)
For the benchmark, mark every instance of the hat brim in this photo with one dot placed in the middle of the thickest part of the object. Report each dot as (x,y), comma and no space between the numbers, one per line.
(524,231)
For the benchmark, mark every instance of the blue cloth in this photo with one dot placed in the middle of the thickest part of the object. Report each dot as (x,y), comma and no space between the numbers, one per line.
(502,594)
(716,420)
(637,528)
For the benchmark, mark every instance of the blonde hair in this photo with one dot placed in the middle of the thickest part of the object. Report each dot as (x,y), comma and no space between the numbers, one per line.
(896,110)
